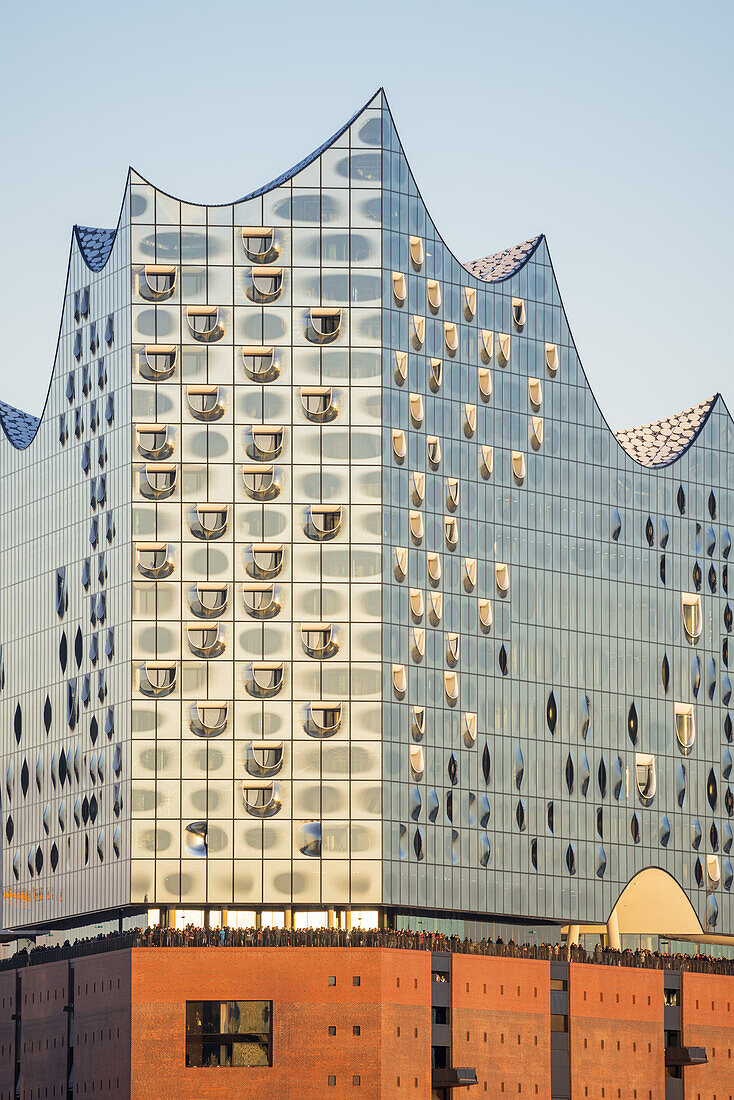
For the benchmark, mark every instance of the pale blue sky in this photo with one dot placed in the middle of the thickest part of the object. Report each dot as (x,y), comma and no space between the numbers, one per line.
(607,127)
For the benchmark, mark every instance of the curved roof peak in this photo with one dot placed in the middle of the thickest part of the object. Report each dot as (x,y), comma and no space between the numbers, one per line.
(95,245)
(503,265)
(663,441)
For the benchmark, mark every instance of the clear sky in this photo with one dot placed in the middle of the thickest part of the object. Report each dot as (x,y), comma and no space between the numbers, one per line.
(606,126)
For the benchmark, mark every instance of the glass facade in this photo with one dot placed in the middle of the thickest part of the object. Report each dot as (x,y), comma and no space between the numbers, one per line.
(346,595)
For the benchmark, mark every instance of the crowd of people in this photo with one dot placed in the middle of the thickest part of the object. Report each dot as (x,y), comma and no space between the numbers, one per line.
(193,936)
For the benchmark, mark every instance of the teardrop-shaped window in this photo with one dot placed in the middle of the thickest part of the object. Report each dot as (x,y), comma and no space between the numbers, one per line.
(712,789)
(665,672)
(680,784)
(616,524)
(728,728)
(453,769)
(550,816)
(518,766)
(18,723)
(695,675)
(520,815)
(570,772)
(551,713)
(63,651)
(618,771)
(697,577)
(503,660)
(571,859)
(486,764)
(664,830)
(602,777)
(635,828)
(584,774)
(601,861)
(585,715)
(681,500)
(418,844)
(650,532)
(633,724)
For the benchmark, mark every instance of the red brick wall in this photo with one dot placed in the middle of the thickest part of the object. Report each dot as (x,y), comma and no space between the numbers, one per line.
(305,1005)
(500,1024)
(707,1013)
(616,1033)
(7,1035)
(44,993)
(102,1025)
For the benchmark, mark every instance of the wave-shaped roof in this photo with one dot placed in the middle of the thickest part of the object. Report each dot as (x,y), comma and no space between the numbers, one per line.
(661,442)
(95,245)
(503,265)
(20,427)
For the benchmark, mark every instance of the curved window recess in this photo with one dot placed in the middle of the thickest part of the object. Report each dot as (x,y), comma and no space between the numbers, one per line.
(417,761)
(416,409)
(418,844)
(399,680)
(486,345)
(664,532)
(470,303)
(633,724)
(154,559)
(265,284)
(419,723)
(503,349)
(710,540)
(63,430)
(452,493)
(535,393)
(260,482)
(551,359)
(401,367)
(401,563)
(502,578)
(645,777)
(399,288)
(469,728)
(62,595)
(435,607)
(726,763)
(157,282)
(261,797)
(712,789)
(433,294)
(418,649)
(325,324)
(418,490)
(259,363)
(520,816)
(416,526)
(416,604)
(203,322)
(324,719)
(207,599)
(70,387)
(616,524)
(157,480)
(518,313)
(209,521)
(399,445)
(416,252)
(433,451)
(485,383)
(536,432)
(518,467)
(692,617)
(712,504)
(267,441)
(486,461)
(260,600)
(433,567)
(680,500)
(264,679)
(470,420)
(205,402)
(725,543)
(209,718)
(713,872)
(264,758)
(712,578)
(86,386)
(663,570)
(154,441)
(157,678)
(206,641)
(318,641)
(258,243)
(470,574)
(265,559)
(451,337)
(485,615)
(451,687)
(452,648)
(665,673)
(435,374)
(729,801)
(695,675)
(195,839)
(418,331)
(635,831)
(451,532)
(324,521)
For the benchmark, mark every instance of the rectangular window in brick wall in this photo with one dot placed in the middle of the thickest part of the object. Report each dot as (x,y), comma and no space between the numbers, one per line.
(229,1034)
